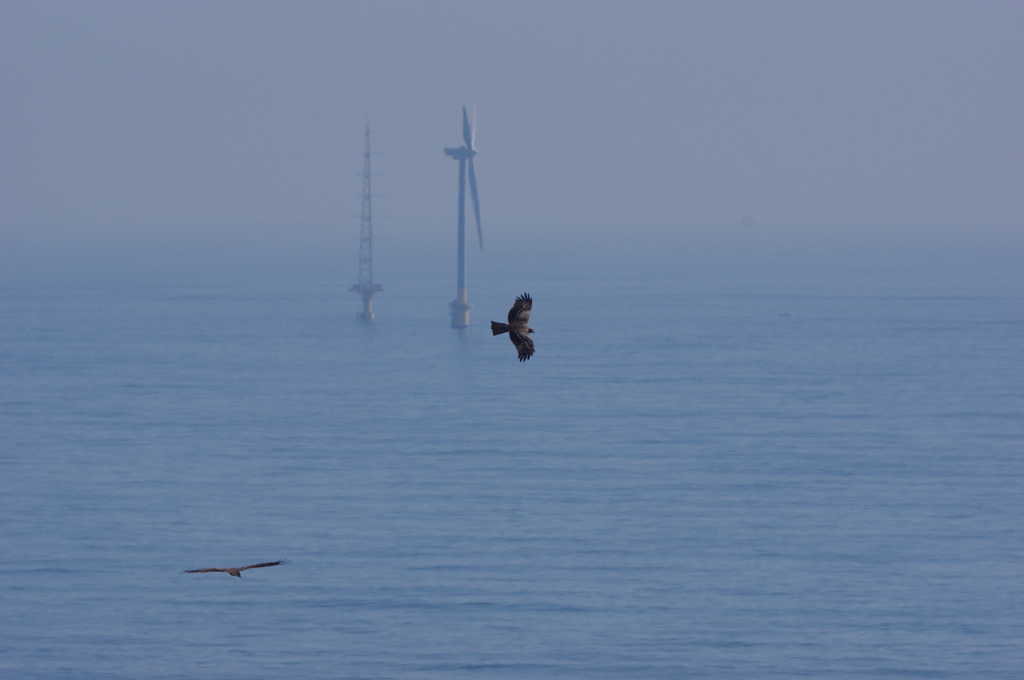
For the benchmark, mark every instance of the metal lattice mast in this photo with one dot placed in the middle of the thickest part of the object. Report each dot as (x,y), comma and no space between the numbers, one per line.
(366,287)
(366,221)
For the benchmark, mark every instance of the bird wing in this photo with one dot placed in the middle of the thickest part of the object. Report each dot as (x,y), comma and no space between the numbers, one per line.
(202,571)
(262,564)
(523,343)
(520,312)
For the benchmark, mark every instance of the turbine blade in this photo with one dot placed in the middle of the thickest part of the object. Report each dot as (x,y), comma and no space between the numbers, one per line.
(476,202)
(466,132)
(472,139)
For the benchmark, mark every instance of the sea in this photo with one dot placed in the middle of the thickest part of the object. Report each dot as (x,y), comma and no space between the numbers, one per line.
(767,470)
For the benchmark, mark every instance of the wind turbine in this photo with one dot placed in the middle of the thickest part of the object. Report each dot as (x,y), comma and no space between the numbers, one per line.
(464,154)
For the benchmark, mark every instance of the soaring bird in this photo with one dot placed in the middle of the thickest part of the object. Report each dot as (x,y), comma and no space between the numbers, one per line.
(518,328)
(234,571)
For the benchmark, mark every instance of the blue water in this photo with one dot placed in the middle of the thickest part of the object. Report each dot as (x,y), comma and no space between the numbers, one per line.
(770,474)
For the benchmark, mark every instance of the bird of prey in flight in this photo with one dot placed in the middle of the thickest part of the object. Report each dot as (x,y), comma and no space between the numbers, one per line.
(234,571)
(518,327)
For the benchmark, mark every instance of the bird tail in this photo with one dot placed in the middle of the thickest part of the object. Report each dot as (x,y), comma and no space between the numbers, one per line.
(498,328)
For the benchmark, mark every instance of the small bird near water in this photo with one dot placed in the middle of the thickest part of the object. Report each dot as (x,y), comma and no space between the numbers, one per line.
(518,327)
(234,571)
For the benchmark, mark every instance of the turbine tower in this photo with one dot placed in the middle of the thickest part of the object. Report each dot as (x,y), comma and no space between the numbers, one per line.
(366,287)
(464,154)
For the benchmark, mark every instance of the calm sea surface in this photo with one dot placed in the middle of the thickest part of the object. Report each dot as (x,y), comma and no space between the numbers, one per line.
(772,475)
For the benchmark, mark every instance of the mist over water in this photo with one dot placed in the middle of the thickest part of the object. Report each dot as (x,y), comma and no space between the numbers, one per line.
(729,471)
(210,119)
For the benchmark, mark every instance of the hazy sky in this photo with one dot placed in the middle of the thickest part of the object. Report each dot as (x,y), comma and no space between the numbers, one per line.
(672,121)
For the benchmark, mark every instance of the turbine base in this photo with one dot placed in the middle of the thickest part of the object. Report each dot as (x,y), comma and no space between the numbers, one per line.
(460,310)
